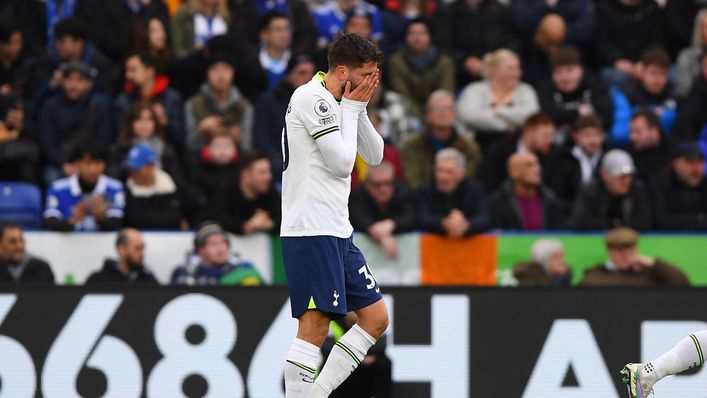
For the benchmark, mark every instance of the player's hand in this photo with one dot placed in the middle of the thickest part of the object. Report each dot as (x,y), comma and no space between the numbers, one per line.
(364,91)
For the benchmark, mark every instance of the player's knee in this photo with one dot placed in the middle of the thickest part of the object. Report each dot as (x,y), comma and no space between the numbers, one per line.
(375,323)
(313,327)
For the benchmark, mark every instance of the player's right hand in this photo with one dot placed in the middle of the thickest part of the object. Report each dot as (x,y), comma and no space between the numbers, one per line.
(364,91)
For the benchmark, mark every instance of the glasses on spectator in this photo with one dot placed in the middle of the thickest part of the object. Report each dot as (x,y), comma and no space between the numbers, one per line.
(382,183)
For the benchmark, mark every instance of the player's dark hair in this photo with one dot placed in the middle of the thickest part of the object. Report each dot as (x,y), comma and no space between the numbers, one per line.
(90,148)
(8,27)
(352,50)
(73,27)
(4,226)
(146,59)
(247,160)
(657,57)
(267,19)
(566,56)
(649,116)
(589,122)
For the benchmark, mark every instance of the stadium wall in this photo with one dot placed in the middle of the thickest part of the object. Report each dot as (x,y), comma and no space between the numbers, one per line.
(443,342)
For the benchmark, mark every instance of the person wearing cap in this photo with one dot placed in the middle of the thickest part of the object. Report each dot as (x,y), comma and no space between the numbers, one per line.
(680,191)
(129,267)
(547,266)
(627,267)
(648,148)
(572,167)
(87,200)
(74,114)
(143,83)
(270,110)
(211,262)
(218,105)
(614,199)
(153,199)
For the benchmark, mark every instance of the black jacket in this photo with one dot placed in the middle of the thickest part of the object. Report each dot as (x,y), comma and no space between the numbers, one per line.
(506,212)
(469,198)
(364,212)
(562,107)
(270,111)
(692,117)
(111,274)
(563,174)
(593,206)
(234,209)
(30,269)
(493,169)
(677,206)
(650,162)
(624,32)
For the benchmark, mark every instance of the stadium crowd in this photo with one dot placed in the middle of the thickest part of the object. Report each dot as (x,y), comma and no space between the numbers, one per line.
(524,115)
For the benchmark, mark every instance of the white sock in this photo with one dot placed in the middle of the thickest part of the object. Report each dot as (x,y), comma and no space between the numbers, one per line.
(300,368)
(685,355)
(344,358)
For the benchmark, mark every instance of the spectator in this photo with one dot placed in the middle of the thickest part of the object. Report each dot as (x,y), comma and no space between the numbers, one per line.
(680,192)
(73,115)
(330,19)
(651,91)
(219,105)
(253,205)
(247,14)
(688,67)
(212,264)
(130,267)
(14,61)
(271,107)
(18,154)
(142,126)
(197,21)
(452,204)
(216,172)
(498,105)
(418,68)
(189,73)
(112,22)
(150,36)
(626,266)
(535,137)
(468,29)
(615,199)
(33,15)
(153,199)
(627,28)
(142,83)
(573,93)
(547,266)
(574,166)
(679,32)
(523,202)
(382,207)
(71,46)
(16,266)
(419,151)
(535,56)
(264,69)
(396,15)
(649,150)
(578,15)
(87,200)
(692,118)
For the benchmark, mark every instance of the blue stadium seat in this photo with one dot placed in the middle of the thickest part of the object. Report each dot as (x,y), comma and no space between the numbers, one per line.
(20,203)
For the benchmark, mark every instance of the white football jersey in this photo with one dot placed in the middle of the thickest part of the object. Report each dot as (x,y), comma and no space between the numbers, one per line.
(314,199)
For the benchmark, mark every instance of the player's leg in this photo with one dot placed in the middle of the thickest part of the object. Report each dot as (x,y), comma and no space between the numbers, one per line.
(687,354)
(314,268)
(364,298)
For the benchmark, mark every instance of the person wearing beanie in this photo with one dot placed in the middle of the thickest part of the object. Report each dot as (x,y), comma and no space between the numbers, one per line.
(616,198)
(547,266)
(212,263)
(627,267)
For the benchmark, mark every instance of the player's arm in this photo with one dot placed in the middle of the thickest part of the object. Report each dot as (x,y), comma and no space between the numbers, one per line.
(338,146)
(370,143)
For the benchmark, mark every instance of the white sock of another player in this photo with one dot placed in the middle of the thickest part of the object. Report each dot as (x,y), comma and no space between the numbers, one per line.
(685,355)
(300,368)
(344,358)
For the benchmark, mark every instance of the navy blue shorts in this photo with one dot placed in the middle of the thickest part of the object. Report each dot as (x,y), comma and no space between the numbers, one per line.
(328,274)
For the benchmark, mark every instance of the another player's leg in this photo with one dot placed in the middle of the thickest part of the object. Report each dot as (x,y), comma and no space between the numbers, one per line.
(349,351)
(303,358)
(687,354)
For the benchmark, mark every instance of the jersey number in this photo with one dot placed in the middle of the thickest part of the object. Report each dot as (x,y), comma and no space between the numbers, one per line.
(366,272)
(285,149)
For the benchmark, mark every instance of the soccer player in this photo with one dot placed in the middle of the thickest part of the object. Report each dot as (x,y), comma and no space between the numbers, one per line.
(687,354)
(326,124)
